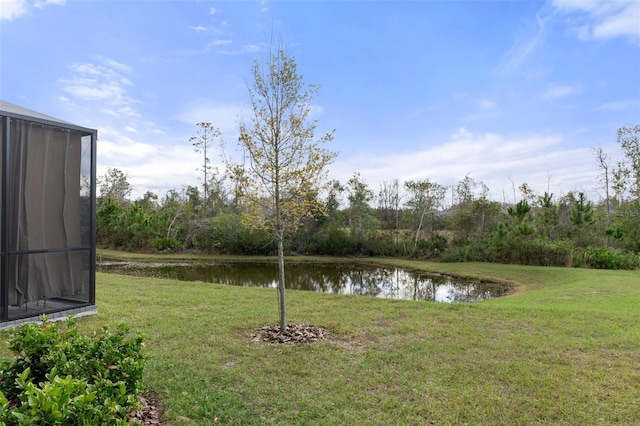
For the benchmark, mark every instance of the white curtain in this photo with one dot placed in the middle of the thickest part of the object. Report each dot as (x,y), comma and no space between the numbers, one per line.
(44,212)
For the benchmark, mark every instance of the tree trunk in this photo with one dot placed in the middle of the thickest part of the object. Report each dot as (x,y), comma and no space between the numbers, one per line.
(415,244)
(283,309)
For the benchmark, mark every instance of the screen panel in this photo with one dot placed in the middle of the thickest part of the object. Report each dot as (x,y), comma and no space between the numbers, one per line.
(47,282)
(45,193)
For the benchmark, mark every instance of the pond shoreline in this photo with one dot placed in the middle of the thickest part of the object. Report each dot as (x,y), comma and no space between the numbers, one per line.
(450,269)
(347,276)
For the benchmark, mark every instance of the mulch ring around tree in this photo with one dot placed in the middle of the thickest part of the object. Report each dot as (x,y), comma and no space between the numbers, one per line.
(300,333)
(149,414)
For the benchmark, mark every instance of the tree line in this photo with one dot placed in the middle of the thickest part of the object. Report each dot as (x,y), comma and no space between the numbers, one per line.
(415,218)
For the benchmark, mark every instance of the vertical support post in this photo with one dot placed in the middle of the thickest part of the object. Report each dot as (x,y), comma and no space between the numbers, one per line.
(4,226)
(92,256)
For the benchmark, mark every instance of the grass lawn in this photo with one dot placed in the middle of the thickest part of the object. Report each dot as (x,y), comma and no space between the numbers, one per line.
(563,349)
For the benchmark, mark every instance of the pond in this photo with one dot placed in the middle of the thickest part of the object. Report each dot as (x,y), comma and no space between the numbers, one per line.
(336,278)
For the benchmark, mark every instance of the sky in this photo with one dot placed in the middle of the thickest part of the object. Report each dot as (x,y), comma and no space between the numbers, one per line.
(505,92)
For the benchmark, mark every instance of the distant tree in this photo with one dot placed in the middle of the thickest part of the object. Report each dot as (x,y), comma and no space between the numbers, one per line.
(521,219)
(527,192)
(424,197)
(238,182)
(467,191)
(359,195)
(626,184)
(286,161)
(472,211)
(389,205)
(546,215)
(110,217)
(582,216)
(603,165)
(332,202)
(138,225)
(205,136)
(149,201)
(626,175)
(171,210)
(113,185)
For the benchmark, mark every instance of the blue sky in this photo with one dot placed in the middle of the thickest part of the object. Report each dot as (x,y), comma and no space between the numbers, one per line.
(502,91)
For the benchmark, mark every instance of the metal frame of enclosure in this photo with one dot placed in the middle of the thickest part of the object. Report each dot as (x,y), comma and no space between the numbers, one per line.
(47,225)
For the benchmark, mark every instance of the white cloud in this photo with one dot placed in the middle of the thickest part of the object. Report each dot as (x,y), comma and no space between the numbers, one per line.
(602,19)
(66,101)
(462,133)
(42,3)
(91,89)
(220,115)
(213,11)
(220,42)
(131,129)
(556,92)
(524,46)
(619,105)
(12,9)
(207,29)
(251,48)
(491,158)
(483,109)
(149,167)
(625,23)
(105,82)
(115,146)
(247,48)
(486,104)
(118,66)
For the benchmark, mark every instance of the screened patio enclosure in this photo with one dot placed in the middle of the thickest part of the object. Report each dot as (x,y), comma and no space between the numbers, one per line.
(47,226)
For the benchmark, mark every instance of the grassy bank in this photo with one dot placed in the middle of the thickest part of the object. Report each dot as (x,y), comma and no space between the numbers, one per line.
(563,349)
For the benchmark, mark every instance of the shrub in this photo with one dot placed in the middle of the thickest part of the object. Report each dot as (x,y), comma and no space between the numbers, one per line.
(537,252)
(331,239)
(430,248)
(166,244)
(473,252)
(608,258)
(60,377)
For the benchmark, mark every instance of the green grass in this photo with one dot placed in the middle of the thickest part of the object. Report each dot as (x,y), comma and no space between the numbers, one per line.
(564,348)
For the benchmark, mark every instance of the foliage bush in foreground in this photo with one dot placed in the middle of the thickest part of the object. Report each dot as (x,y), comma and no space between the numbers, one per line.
(60,377)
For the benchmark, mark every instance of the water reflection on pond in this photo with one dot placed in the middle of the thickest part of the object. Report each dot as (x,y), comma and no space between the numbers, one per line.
(338,278)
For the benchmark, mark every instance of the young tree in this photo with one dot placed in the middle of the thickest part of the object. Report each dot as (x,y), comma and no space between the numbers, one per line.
(201,144)
(582,216)
(521,219)
(547,215)
(286,163)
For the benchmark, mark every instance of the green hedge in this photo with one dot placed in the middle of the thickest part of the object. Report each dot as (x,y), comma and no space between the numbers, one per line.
(59,377)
